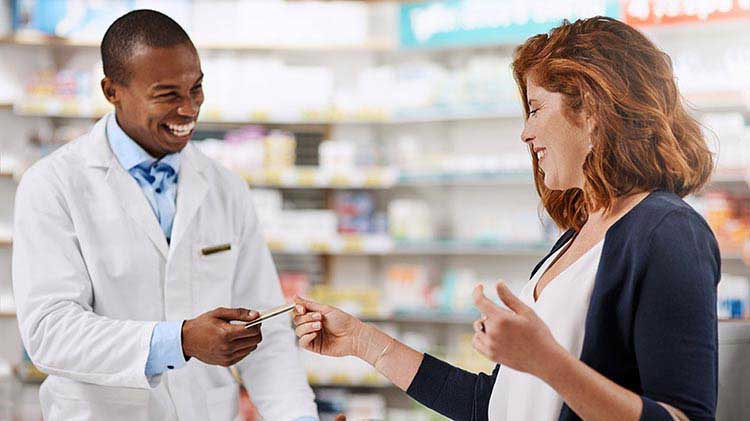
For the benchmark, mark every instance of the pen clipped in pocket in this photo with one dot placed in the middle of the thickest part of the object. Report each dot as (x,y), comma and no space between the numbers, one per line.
(206,251)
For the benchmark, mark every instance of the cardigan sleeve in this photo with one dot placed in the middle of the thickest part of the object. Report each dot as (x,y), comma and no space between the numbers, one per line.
(454,393)
(675,324)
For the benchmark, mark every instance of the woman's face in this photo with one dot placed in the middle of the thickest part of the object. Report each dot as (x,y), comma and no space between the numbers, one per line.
(560,146)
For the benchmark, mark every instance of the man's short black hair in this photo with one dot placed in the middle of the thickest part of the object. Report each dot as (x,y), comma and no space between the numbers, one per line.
(134,29)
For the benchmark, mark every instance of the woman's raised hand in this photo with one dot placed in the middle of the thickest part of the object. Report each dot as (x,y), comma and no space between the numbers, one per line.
(325,329)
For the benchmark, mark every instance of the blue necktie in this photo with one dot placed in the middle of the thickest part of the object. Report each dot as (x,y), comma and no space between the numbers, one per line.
(161,177)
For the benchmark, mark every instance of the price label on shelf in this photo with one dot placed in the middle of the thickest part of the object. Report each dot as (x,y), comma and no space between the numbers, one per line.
(306,177)
(320,246)
(353,244)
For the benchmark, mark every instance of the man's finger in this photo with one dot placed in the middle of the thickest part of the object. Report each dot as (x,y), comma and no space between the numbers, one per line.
(483,303)
(239,347)
(239,332)
(509,299)
(239,314)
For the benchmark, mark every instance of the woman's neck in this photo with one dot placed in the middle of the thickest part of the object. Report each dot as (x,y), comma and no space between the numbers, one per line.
(620,206)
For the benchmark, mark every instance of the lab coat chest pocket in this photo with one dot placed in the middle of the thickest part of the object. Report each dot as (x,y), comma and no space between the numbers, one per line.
(213,264)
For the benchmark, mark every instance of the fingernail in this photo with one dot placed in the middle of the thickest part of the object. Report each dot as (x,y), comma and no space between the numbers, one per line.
(299,309)
(316,325)
(316,316)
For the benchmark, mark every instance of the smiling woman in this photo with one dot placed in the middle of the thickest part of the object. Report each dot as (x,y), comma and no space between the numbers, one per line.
(610,81)
(600,330)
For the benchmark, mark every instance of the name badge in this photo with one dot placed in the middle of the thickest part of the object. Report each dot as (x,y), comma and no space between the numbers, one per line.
(215,249)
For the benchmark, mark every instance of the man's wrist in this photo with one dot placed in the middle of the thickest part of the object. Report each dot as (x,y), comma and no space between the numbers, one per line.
(185,353)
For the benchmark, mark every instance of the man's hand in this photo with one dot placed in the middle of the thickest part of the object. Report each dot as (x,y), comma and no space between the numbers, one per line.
(212,339)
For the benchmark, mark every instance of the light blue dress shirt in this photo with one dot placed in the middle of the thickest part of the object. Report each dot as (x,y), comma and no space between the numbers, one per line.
(158,180)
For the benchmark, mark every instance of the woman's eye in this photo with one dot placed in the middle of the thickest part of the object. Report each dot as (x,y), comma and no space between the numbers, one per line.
(533,112)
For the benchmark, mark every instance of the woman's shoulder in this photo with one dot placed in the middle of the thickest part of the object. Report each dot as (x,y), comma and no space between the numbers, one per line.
(661,213)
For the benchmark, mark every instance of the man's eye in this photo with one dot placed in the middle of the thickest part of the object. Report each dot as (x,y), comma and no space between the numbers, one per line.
(166,95)
(197,87)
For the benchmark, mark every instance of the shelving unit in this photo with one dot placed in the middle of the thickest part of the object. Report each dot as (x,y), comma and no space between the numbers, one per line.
(371,46)
(459,200)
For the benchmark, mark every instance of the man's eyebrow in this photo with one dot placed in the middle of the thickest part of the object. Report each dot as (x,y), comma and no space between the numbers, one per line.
(161,87)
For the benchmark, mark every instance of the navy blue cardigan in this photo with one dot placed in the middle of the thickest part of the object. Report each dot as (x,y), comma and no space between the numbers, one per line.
(651,325)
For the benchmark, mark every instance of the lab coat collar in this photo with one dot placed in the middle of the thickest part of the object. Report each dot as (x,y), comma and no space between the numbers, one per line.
(191,189)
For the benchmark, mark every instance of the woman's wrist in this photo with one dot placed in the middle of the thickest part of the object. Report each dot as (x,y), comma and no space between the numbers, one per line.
(369,343)
(553,365)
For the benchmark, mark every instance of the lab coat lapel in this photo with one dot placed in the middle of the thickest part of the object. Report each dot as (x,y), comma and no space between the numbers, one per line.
(132,199)
(126,191)
(191,191)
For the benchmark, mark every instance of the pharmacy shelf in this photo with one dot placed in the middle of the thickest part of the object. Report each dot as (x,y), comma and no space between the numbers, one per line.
(377,178)
(468,248)
(51,41)
(380,245)
(735,180)
(390,177)
(70,108)
(321,178)
(5,240)
(719,101)
(479,178)
(7,314)
(427,317)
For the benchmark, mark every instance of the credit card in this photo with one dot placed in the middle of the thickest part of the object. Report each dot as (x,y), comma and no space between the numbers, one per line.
(272,312)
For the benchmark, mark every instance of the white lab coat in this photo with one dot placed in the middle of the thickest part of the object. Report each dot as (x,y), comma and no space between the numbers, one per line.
(93,273)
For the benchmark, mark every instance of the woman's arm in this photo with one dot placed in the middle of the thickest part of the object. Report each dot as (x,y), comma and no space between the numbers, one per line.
(453,392)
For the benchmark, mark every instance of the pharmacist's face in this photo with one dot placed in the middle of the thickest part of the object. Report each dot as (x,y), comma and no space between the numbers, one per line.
(559,146)
(159,105)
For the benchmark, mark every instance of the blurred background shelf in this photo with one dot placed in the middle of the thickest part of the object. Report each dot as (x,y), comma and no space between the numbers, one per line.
(372,46)
(382,150)
(77,109)
(384,245)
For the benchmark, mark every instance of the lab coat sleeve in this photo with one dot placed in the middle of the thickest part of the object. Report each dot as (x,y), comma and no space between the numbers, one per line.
(62,334)
(273,373)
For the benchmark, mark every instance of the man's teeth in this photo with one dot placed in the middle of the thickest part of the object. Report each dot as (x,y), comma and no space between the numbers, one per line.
(541,153)
(181,129)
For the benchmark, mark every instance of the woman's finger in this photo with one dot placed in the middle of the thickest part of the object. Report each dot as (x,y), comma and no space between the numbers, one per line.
(307,318)
(480,345)
(479,325)
(306,340)
(509,299)
(310,305)
(306,328)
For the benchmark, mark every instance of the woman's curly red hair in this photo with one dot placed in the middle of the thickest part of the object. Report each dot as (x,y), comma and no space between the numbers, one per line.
(643,137)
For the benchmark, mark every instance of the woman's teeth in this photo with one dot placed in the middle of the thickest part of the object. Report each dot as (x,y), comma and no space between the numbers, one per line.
(540,154)
(181,129)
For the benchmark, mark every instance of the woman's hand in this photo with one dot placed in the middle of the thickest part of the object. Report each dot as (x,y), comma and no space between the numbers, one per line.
(324,329)
(515,337)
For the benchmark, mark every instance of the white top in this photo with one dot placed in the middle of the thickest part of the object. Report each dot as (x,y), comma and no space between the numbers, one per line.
(562,305)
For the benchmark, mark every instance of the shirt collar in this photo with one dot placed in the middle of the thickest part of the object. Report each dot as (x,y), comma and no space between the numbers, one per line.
(130,153)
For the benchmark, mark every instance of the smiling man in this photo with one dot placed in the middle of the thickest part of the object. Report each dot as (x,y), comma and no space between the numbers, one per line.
(133,254)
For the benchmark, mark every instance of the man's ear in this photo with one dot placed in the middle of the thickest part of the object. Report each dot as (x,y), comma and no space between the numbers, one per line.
(110,91)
